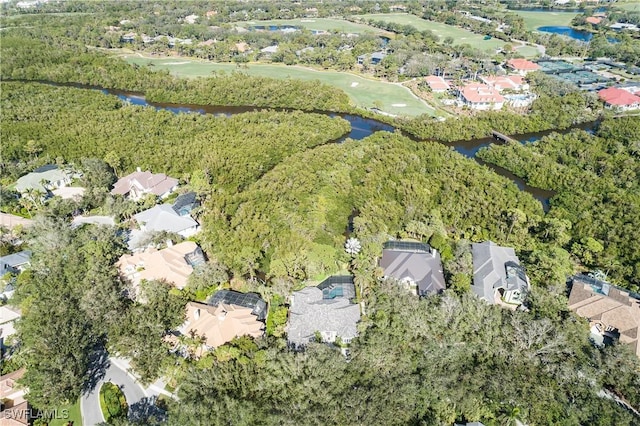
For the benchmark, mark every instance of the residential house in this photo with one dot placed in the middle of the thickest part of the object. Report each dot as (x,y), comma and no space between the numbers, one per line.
(327,310)
(593,20)
(128,38)
(43,180)
(191,19)
(414,265)
(173,264)
(480,97)
(219,324)
(522,66)
(618,26)
(437,84)
(308,49)
(497,274)
(8,316)
(138,184)
(14,263)
(241,47)
(514,83)
(165,218)
(619,99)
(374,59)
(613,313)
(269,50)
(15,408)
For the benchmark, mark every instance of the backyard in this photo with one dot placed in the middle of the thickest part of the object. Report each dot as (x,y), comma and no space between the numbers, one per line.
(443,31)
(366,93)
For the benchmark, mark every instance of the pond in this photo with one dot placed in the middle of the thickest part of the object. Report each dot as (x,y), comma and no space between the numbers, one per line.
(568,32)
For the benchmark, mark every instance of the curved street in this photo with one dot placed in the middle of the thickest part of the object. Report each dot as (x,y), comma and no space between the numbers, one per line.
(141,400)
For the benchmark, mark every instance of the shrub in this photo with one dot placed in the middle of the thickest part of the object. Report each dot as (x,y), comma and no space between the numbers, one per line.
(112,402)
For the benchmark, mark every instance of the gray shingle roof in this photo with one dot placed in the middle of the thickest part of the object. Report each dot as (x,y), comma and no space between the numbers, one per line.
(312,312)
(164,218)
(491,263)
(49,173)
(417,262)
(9,263)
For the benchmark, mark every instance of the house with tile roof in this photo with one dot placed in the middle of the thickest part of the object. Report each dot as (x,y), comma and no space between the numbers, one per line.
(522,66)
(480,97)
(138,184)
(415,265)
(497,274)
(613,313)
(515,83)
(173,264)
(217,325)
(327,309)
(437,84)
(15,408)
(619,99)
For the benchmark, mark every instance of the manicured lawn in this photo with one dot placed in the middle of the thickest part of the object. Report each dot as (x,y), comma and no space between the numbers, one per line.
(528,51)
(394,98)
(534,20)
(443,31)
(74,415)
(321,24)
(112,402)
(631,5)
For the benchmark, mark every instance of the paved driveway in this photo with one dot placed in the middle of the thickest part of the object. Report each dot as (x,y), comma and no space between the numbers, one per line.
(141,401)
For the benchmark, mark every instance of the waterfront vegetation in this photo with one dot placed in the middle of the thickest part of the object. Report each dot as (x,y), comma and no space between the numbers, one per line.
(596,178)
(279,198)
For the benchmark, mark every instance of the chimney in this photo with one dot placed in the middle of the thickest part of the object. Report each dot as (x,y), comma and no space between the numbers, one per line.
(138,169)
(169,243)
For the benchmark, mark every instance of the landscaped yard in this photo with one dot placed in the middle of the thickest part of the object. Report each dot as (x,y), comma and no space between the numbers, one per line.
(112,402)
(391,98)
(73,412)
(321,24)
(534,20)
(443,31)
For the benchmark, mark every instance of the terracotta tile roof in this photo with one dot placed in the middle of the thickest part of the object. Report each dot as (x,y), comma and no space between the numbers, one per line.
(221,324)
(593,20)
(437,83)
(501,82)
(618,97)
(476,93)
(146,182)
(618,310)
(522,65)
(168,264)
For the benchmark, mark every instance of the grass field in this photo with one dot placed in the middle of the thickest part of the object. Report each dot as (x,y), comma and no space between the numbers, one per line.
(534,20)
(74,415)
(321,24)
(633,6)
(527,51)
(443,31)
(393,98)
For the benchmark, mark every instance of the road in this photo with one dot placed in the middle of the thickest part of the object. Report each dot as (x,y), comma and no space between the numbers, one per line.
(141,401)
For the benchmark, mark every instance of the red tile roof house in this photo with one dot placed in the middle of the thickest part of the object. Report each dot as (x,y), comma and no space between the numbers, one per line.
(437,84)
(619,99)
(505,82)
(522,66)
(480,97)
(138,184)
(593,20)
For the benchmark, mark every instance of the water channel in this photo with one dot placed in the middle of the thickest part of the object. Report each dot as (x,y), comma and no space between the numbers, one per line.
(360,128)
